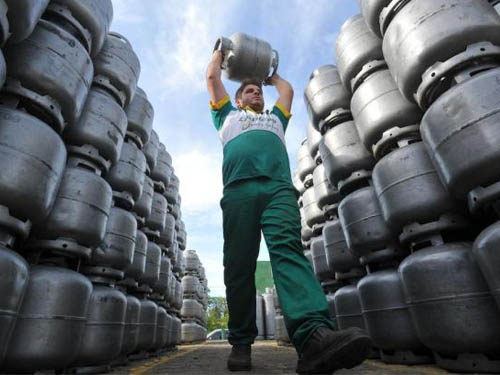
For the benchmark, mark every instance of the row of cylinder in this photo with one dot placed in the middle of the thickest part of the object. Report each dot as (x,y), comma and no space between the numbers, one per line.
(399,181)
(195,302)
(91,232)
(265,313)
(269,318)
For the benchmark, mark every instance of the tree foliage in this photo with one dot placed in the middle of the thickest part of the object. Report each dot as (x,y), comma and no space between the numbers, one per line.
(217,313)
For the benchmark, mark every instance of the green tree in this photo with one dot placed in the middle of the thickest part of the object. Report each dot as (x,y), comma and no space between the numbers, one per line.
(217,313)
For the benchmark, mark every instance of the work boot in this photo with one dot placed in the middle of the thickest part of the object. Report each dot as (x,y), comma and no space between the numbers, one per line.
(328,350)
(240,358)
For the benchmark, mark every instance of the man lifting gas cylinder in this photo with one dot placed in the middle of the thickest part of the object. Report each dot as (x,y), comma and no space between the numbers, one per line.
(259,197)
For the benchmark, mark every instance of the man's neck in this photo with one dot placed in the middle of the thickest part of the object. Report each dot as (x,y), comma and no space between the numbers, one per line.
(248,108)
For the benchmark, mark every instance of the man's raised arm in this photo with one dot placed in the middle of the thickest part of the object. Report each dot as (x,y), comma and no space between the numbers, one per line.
(216,89)
(285,90)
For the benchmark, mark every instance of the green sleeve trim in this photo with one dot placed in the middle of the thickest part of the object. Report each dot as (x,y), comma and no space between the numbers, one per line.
(219,115)
(282,116)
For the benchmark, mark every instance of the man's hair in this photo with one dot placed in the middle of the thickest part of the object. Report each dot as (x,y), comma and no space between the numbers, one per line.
(245,83)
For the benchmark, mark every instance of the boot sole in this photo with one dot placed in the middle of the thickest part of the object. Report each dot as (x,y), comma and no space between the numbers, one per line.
(346,355)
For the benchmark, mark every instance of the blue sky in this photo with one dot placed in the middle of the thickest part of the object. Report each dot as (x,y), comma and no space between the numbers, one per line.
(174,42)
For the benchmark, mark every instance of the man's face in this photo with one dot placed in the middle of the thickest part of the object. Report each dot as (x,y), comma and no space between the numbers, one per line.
(252,97)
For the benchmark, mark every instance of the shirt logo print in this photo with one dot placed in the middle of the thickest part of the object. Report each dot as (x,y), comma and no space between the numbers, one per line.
(260,121)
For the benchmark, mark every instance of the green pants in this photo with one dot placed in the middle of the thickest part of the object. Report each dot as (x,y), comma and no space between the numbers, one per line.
(249,207)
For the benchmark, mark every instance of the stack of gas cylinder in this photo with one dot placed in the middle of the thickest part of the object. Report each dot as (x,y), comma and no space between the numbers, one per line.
(400,181)
(195,302)
(91,235)
(266,314)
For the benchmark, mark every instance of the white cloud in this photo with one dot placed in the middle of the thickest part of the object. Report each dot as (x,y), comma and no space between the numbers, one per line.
(185,46)
(200,178)
(128,11)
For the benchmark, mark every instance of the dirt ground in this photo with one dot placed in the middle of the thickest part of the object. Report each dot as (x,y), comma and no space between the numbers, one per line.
(267,358)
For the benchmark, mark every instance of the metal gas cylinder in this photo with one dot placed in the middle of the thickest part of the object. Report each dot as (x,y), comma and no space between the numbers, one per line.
(172,253)
(324,191)
(356,46)
(346,159)
(339,257)
(348,307)
(306,163)
(77,221)
(140,115)
(485,252)
(313,138)
(325,93)
(444,288)
(312,213)
(167,234)
(176,210)
(161,286)
(409,189)
(98,134)
(51,321)
(281,332)
(131,327)
(181,235)
(117,68)
(32,161)
(22,15)
(170,297)
(126,177)
(190,285)
(388,320)
(144,204)
(177,328)
(172,190)
(161,329)
(363,224)
(151,274)
(169,323)
(51,72)
(466,115)
(377,106)
(88,20)
(117,249)
(156,221)
(191,308)
(371,9)
(418,34)
(306,231)
(163,170)
(14,278)
(103,333)
(151,150)
(138,266)
(247,57)
(180,264)
(192,261)
(178,294)
(331,307)
(270,315)
(297,184)
(147,325)
(189,332)
(320,265)
(259,314)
